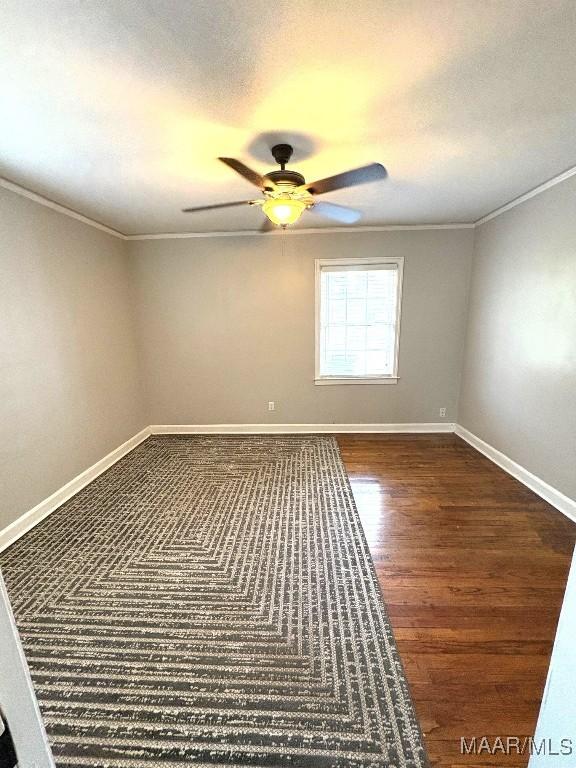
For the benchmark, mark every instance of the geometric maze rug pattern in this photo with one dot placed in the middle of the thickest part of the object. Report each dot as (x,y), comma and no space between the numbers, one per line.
(211,601)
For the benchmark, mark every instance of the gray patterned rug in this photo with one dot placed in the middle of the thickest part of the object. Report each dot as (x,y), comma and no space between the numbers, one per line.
(211,601)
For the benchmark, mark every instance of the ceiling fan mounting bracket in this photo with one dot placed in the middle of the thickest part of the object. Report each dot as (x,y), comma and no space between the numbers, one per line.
(282,154)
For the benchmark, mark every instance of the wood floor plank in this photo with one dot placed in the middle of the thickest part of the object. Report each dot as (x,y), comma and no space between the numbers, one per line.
(473,568)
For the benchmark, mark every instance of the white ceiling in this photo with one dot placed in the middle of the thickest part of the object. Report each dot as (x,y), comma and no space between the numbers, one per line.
(118,109)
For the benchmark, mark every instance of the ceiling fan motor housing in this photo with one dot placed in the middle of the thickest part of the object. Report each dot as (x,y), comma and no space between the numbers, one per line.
(285,178)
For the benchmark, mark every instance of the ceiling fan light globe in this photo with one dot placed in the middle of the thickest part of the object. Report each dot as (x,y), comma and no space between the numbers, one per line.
(283,210)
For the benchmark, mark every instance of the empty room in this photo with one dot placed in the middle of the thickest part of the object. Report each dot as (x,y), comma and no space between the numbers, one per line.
(287,384)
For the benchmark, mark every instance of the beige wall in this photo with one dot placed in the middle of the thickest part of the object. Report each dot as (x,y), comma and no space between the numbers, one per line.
(222,325)
(227,324)
(69,387)
(519,380)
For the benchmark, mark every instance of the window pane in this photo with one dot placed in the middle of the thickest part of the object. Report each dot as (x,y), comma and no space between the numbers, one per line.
(376,363)
(376,310)
(376,337)
(377,283)
(338,281)
(336,337)
(356,338)
(356,284)
(358,321)
(337,311)
(355,363)
(356,310)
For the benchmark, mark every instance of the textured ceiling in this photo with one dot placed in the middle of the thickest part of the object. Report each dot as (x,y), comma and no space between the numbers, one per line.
(119,108)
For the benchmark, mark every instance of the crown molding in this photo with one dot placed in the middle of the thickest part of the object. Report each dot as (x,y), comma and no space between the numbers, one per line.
(295,232)
(527,195)
(46,202)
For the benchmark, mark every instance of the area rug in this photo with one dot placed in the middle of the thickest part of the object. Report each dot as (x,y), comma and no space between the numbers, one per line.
(211,601)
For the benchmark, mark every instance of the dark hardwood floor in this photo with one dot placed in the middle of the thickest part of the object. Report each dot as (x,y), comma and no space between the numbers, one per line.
(473,567)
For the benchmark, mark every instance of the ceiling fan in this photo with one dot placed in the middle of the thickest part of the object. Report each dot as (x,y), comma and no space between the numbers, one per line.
(287,195)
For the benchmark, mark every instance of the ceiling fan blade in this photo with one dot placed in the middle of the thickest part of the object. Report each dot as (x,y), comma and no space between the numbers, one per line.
(362,175)
(217,205)
(243,170)
(336,212)
(267,225)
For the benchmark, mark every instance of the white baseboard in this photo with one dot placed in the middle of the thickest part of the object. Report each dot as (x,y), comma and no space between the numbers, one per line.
(31,518)
(564,503)
(284,429)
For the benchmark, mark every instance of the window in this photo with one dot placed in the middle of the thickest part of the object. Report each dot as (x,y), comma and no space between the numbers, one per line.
(357,320)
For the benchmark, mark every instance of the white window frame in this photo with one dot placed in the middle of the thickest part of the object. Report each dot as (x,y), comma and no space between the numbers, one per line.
(392,378)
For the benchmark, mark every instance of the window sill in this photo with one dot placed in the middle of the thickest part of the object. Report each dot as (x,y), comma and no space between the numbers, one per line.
(328,380)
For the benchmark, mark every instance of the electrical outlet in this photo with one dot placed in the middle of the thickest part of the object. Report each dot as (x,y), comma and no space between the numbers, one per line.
(271,405)
(443,412)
